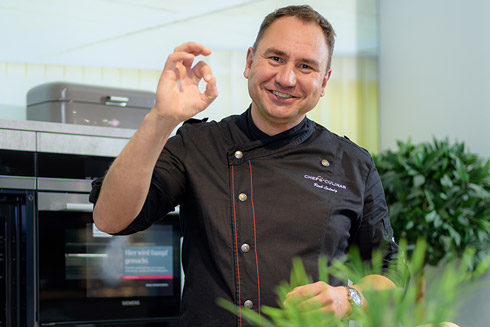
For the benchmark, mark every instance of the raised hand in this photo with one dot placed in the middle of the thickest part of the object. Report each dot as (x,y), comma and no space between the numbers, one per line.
(178,97)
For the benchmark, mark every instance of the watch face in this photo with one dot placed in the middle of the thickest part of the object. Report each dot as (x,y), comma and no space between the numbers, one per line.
(354,296)
(357,298)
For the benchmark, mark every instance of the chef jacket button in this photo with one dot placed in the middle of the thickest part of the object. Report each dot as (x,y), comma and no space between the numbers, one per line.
(245,248)
(325,163)
(239,154)
(248,304)
(242,197)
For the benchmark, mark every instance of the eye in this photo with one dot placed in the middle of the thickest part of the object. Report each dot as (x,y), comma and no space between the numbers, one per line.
(274,58)
(305,67)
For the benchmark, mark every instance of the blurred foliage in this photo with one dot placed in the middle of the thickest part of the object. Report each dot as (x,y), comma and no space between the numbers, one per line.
(386,308)
(440,192)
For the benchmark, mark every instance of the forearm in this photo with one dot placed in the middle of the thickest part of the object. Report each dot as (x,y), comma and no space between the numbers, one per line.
(127,182)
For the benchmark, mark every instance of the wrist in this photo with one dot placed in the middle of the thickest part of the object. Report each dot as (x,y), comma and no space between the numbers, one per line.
(161,124)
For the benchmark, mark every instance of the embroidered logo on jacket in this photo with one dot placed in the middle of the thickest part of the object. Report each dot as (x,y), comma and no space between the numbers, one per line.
(325,184)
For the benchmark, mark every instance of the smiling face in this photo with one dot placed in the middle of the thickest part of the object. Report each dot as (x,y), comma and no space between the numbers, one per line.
(287,74)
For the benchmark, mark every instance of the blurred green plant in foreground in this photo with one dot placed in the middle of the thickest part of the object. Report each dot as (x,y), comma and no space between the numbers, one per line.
(386,308)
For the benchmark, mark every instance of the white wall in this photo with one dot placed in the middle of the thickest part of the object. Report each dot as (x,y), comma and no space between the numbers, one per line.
(434,75)
(17,78)
(435,71)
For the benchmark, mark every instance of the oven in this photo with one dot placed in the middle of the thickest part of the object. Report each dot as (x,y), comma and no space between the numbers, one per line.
(17,236)
(58,269)
(87,277)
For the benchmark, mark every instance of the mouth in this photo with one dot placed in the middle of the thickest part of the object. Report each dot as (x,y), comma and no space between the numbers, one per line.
(282,96)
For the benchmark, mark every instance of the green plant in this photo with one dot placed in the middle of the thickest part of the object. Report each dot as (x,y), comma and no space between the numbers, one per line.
(387,308)
(441,192)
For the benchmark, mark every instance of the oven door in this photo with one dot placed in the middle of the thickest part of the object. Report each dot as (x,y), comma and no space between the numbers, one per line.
(16,256)
(87,276)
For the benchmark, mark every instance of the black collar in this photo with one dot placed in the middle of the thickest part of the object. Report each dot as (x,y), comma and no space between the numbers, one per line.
(292,136)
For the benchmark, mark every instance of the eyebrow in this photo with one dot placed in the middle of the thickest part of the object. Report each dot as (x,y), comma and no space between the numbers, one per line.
(274,51)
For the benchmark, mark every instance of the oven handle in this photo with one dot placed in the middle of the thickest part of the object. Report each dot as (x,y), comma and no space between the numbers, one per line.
(85,207)
(74,207)
(49,201)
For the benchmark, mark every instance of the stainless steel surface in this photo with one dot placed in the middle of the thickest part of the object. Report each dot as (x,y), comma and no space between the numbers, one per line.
(17,140)
(18,182)
(64,185)
(63,202)
(41,126)
(85,104)
(62,138)
(80,144)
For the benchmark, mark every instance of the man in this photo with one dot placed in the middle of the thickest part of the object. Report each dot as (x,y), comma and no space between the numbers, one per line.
(254,190)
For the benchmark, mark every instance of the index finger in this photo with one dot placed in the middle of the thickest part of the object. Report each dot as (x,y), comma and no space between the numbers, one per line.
(194,48)
(185,54)
(308,290)
(300,294)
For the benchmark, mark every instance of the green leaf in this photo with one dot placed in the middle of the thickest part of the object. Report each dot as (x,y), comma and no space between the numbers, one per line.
(409,225)
(323,269)
(455,236)
(418,180)
(298,274)
(446,181)
(429,197)
(482,267)
(479,191)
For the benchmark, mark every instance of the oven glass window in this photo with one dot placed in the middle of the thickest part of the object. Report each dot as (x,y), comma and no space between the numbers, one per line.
(88,275)
(120,266)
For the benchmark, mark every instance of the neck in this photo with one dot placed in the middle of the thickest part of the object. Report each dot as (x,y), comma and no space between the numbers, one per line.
(273,127)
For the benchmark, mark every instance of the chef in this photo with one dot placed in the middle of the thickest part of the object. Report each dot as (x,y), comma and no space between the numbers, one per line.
(257,189)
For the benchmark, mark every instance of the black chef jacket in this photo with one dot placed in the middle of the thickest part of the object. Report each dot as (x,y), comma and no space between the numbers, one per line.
(250,202)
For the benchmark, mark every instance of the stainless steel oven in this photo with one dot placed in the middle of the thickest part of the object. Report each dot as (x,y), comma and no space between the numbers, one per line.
(87,277)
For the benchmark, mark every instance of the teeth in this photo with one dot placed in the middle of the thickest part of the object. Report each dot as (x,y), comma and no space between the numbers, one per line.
(281,95)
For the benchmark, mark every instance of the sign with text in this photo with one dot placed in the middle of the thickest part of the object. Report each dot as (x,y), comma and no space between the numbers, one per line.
(147,262)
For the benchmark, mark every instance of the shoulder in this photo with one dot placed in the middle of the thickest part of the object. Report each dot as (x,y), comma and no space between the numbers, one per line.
(342,144)
(200,134)
(204,126)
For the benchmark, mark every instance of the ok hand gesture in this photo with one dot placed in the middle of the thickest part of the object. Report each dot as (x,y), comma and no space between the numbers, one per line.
(178,97)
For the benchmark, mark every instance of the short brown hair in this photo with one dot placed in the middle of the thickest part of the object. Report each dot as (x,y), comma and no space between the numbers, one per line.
(305,14)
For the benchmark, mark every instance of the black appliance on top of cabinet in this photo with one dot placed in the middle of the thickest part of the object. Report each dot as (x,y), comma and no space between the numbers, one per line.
(57,269)
(16,212)
(86,277)
(17,237)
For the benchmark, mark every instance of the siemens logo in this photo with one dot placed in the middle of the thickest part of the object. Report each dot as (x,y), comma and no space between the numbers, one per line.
(130,303)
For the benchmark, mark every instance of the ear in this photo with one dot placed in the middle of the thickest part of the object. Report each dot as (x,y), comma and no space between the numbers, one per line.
(325,80)
(248,64)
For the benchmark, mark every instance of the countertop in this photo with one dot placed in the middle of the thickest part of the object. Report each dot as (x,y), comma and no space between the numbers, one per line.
(40,126)
(40,136)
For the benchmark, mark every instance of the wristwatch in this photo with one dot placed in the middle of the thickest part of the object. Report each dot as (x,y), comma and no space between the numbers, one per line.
(355,298)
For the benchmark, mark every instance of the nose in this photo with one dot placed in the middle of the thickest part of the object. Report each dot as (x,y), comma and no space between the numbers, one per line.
(286,76)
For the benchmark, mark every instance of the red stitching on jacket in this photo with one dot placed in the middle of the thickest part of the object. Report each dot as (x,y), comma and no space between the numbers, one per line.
(236,244)
(255,238)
